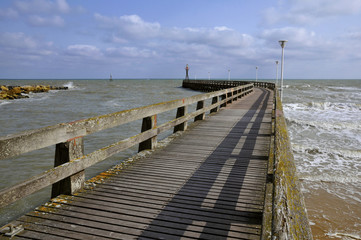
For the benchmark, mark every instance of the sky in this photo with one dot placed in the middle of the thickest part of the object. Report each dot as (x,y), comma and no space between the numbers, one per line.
(70,39)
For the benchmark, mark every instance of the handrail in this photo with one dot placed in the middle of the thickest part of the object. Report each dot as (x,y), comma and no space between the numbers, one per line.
(214,85)
(67,176)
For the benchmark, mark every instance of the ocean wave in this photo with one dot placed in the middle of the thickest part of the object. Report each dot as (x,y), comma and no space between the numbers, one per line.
(330,178)
(341,153)
(70,85)
(4,102)
(329,126)
(323,106)
(344,236)
(342,88)
(113,103)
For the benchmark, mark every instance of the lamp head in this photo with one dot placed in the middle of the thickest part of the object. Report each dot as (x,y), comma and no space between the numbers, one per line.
(282,43)
(276,62)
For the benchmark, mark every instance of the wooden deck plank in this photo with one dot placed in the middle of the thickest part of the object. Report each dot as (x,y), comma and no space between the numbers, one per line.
(209,183)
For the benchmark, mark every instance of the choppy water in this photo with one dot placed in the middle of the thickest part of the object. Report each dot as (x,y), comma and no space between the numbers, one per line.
(324,122)
(84,99)
(323,117)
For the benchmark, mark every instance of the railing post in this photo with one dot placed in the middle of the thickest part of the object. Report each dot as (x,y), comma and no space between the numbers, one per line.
(65,152)
(235,93)
(214,100)
(230,97)
(148,123)
(200,105)
(181,111)
(224,96)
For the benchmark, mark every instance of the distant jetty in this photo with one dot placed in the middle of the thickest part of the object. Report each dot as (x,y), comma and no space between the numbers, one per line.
(17,92)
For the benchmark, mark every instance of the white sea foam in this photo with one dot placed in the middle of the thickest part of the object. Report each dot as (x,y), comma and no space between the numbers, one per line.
(325,125)
(112,103)
(343,88)
(70,85)
(344,236)
(4,102)
(328,178)
(342,153)
(323,106)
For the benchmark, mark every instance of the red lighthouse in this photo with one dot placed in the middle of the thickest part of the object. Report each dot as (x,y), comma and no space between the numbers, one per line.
(187,68)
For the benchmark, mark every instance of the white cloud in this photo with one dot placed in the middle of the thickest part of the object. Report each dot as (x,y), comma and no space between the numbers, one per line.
(223,28)
(298,36)
(325,8)
(20,49)
(84,50)
(42,6)
(354,36)
(132,52)
(222,37)
(129,26)
(55,21)
(305,12)
(17,40)
(62,6)
(8,13)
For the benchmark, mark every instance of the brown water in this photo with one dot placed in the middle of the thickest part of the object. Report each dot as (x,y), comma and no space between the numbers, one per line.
(323,118)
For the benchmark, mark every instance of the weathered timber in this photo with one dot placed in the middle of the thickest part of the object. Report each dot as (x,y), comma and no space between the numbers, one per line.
(194,188)
(16,144)
(65,152)
(181,112)
(215,85)
(147,124)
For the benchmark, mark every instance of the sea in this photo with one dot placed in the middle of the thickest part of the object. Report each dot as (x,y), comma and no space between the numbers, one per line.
(323,119)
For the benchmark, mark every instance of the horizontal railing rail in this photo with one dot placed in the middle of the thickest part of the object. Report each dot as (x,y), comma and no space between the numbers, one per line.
(68,176)
(215,85)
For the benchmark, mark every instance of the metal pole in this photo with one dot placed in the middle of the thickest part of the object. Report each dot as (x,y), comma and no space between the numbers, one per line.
(282,43)
(256,73)
(276,74)
(229,74)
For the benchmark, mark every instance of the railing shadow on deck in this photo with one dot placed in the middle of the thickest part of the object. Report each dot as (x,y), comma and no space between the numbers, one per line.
(217,220)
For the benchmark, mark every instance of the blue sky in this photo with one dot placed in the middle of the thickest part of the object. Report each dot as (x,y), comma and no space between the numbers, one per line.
(157,38)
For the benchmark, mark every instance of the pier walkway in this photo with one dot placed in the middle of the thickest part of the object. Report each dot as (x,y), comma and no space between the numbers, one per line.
(209,183)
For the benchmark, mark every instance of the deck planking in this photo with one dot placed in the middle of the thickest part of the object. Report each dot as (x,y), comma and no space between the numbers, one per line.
(207,184)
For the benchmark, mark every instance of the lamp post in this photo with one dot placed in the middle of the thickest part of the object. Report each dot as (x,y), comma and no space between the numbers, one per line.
(209,75)
(276,74)
(282,43)
(256,73)
(229,74)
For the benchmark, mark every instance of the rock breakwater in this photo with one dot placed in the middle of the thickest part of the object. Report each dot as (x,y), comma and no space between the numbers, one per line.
(17,92)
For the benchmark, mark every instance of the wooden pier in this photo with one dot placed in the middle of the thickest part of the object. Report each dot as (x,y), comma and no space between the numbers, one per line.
(211,182)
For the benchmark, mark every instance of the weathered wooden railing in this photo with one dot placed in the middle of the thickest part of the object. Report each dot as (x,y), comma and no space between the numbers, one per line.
(68,176)
(215,85)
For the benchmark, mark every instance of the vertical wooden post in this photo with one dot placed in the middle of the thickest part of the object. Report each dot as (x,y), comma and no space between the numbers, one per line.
(235,93)
(148,123)
(230,96)
(200,105)
(214,100)
(240,93)
(224,96)
(65,152)
(181,111)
